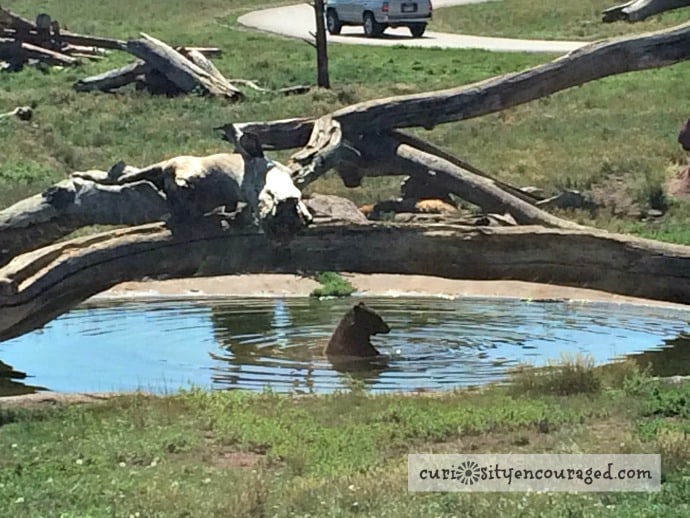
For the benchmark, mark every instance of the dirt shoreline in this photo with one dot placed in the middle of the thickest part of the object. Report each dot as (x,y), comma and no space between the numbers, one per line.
(367,285)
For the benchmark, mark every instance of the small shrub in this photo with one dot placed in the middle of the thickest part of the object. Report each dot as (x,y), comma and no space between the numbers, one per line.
(572,375)
(674,447)
(334,285)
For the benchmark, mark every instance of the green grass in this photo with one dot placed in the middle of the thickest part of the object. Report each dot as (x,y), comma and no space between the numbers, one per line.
(333,285)
(236,454)
(582,138)
(572,375)
(547,19)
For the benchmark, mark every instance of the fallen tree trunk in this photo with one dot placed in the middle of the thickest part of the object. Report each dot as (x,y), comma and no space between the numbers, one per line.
(589,63)
(112,79)
(479,190)
(186,75)
(180,189)
(72,204)
(38,286)
(391,153)
(639,10)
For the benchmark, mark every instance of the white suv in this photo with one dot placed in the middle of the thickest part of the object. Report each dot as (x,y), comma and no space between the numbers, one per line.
(376,16)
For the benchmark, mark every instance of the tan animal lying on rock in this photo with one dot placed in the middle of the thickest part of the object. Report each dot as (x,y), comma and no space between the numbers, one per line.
(350,340)
(415,206)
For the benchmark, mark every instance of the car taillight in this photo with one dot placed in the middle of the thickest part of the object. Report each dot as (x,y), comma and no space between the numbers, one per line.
(384,7)
(431,7)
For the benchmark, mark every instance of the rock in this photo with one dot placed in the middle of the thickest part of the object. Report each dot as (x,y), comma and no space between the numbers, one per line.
(333,208)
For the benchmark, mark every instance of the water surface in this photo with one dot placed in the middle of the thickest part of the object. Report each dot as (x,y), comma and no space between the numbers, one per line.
(257,343)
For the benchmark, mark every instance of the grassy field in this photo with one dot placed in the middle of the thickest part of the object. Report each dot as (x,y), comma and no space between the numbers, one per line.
(235,454)
(599,137)
(546,19)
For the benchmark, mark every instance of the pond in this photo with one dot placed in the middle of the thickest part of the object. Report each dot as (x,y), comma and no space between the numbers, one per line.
(162,346)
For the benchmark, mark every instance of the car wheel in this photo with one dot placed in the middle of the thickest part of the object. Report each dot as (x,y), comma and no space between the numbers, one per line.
(372,28)
(333,22)
(417,29)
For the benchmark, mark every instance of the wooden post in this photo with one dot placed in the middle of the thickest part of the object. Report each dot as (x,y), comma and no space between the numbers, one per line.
(323,79)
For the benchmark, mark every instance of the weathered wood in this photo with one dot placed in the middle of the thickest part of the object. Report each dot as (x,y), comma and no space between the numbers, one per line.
(24,113)
(82,49)
(209,52)
(204,63)
(112,79)
(589,63)
(11,20)
(288,90)
(426,147)
(181,71)
(180,189)
(74,203)
(24,51)
(639,10)
(479,190)
(321,153)
(38,286)
(322,75)
(31,51)
(66,37)
(279,134)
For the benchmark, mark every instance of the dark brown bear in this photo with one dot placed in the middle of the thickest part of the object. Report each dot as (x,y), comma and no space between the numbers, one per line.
(351,337)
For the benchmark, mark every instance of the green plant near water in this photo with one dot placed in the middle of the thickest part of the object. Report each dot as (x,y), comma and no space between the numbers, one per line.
(572,375)
(334,285)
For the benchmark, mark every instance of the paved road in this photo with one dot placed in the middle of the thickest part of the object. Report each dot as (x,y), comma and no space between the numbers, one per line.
(298,20)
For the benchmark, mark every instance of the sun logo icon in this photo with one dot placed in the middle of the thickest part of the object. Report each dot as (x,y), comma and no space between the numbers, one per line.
(468,473)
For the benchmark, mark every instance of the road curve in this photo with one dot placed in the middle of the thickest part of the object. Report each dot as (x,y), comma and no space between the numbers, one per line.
(297,21)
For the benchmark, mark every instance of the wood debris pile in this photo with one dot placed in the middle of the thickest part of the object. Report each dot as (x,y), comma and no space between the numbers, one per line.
(162,69)
(45,42)
(159,67)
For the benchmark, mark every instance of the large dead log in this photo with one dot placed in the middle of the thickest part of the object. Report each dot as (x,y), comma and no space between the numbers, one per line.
(74,203)
(113,79)
(393,155)
(38,286)
(182,188)
(479,190)
(589,63)
(639,10)
(181,71)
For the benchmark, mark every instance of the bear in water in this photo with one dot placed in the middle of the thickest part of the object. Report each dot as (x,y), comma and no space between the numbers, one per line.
(350,340)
